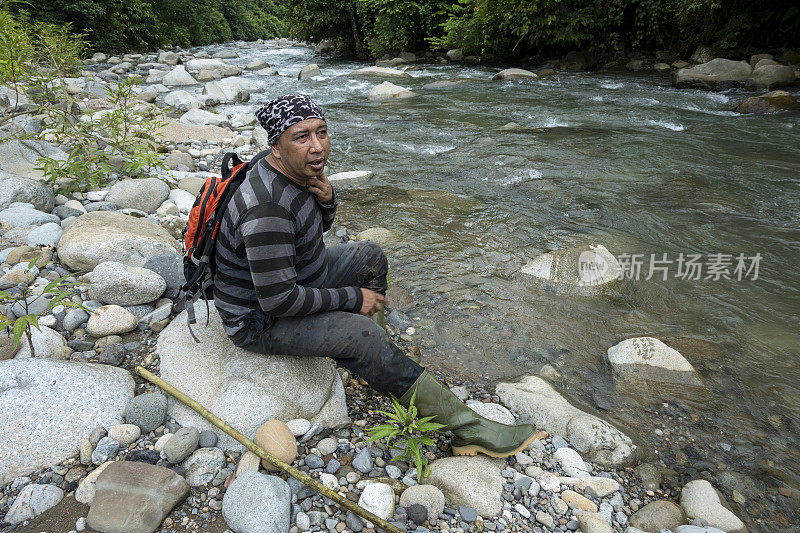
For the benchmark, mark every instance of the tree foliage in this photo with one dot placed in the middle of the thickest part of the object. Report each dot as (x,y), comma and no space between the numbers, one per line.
(124,25)
(519,27)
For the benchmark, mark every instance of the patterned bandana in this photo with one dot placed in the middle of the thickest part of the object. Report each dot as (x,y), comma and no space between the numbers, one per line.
(285,111)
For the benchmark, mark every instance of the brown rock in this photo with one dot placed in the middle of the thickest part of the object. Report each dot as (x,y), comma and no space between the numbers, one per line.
(659,515)
(276,437)
(577,501)
(7,350)
(768,103)
(133,497)
(24,254)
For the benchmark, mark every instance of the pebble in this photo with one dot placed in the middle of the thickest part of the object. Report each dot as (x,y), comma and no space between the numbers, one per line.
(208,439)
(299,426)
(545,519)
(314,461)
(522,510)
(106,449)
(468,514)
(181,445)
(124,434)
(363,461)
(393,472)
(327,446)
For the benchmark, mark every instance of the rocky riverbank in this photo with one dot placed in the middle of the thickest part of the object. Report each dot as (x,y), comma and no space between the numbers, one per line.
(85,438)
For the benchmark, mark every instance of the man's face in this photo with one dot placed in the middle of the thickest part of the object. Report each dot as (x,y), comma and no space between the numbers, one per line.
(303,149)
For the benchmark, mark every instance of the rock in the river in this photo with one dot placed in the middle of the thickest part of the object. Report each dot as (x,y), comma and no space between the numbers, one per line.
(213,68)
(203,465)
(200,117)
(47,407)
(772,102)
(354,177)
(771,76)
(182,100)
(470,481)
(515,74)
(699,499)
(255,503)
(221,374)
(309,71)
(115,283)
(538,402)
(110,320)
(108,236)
(455,54)
(15,188)
(148,411)
(144,194)
(428,496)
(178,76)
(580,269)
(134,497)
(378,235)
(716,75)
(649,359)
(378,498)
(658,515)
(33,500)
(276,437)
(381,71)
(389,91)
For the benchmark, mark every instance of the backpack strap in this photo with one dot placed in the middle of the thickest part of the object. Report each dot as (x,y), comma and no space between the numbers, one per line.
(227,167)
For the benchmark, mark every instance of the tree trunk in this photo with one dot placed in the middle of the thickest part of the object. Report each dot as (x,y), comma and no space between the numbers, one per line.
(360,49)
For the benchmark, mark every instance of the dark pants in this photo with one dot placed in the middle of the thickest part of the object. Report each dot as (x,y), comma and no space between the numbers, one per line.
(354,341)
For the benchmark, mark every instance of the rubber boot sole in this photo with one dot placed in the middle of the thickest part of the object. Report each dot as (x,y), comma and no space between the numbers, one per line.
(472,450)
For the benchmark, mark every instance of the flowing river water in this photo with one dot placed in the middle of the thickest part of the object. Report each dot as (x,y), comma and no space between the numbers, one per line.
(613,158)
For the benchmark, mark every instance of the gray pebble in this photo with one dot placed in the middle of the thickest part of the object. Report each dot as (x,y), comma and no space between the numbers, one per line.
(208,439)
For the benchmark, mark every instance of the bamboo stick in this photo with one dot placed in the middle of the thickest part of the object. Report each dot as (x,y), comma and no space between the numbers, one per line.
(264,454)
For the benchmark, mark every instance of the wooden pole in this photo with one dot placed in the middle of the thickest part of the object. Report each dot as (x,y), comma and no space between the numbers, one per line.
(264,454)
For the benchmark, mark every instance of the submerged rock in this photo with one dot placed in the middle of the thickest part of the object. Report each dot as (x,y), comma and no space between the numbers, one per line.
(242,387)
(649,359)
(700,500)
(582,268)
(389,91)
(538,402)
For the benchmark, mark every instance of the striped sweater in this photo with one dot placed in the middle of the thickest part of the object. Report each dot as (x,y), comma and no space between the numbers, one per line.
(270,255)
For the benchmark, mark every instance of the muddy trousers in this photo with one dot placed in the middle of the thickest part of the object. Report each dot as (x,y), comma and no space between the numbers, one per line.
(354,341)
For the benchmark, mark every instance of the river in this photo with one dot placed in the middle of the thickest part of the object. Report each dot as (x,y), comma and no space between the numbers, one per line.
(620,159)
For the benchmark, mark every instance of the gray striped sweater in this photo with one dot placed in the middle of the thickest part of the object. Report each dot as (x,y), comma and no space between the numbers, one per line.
(270,255)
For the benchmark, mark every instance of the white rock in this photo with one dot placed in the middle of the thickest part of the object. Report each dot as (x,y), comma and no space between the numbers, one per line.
(86,488)
(353,177)
(647,358)
(241,120)
(470,481)
(46,342)
(298,426)
(32,501)
(309,71)
(329,481)
(221,374)
(515,74)
(231,90)
(201,117)
(162,441)
(492,411)
(381,71)
(118,284)
(111,320)
(47,407)
(125,434)
(537,401)
(379,499)
(571,462)
(178,76)
(578,268)
(700,500)
(181,100)
(389,91)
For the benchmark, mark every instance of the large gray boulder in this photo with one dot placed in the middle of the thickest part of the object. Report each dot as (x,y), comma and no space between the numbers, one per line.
(389,91)
(583,269)
(515,74)
(716,75)
(47,407)
(182,100)
(145,194)
(178,76)
(256,503)
(115,283)
(536,401)
(14,188)
(309,71)
(771,76)
(21,156)
(772,102)
(244,388)
(231,90)
(470,482)
(109,236)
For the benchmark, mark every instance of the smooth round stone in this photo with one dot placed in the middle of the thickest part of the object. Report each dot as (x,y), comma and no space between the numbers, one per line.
(276,438)
(208,439)
(32,501)
(379,499)
(124,434)
(298,426)
(148,411)
(45,235)
(314,461)
(257,502)
(74,318)
(428,496)
(181,445)
(393,472)
(327,446)
(110,320)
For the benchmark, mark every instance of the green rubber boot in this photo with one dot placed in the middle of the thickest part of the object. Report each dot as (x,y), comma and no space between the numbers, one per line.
(473,433)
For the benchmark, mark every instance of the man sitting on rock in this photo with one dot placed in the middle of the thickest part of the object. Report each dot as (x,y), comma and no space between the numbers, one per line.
(279,290)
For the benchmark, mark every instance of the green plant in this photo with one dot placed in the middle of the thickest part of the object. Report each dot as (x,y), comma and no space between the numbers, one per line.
(409,433)
(22,325)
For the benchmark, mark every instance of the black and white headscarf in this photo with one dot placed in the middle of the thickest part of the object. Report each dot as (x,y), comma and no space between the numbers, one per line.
(285,111)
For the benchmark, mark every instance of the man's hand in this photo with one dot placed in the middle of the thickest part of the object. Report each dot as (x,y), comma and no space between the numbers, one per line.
(321,188)
(373,302)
